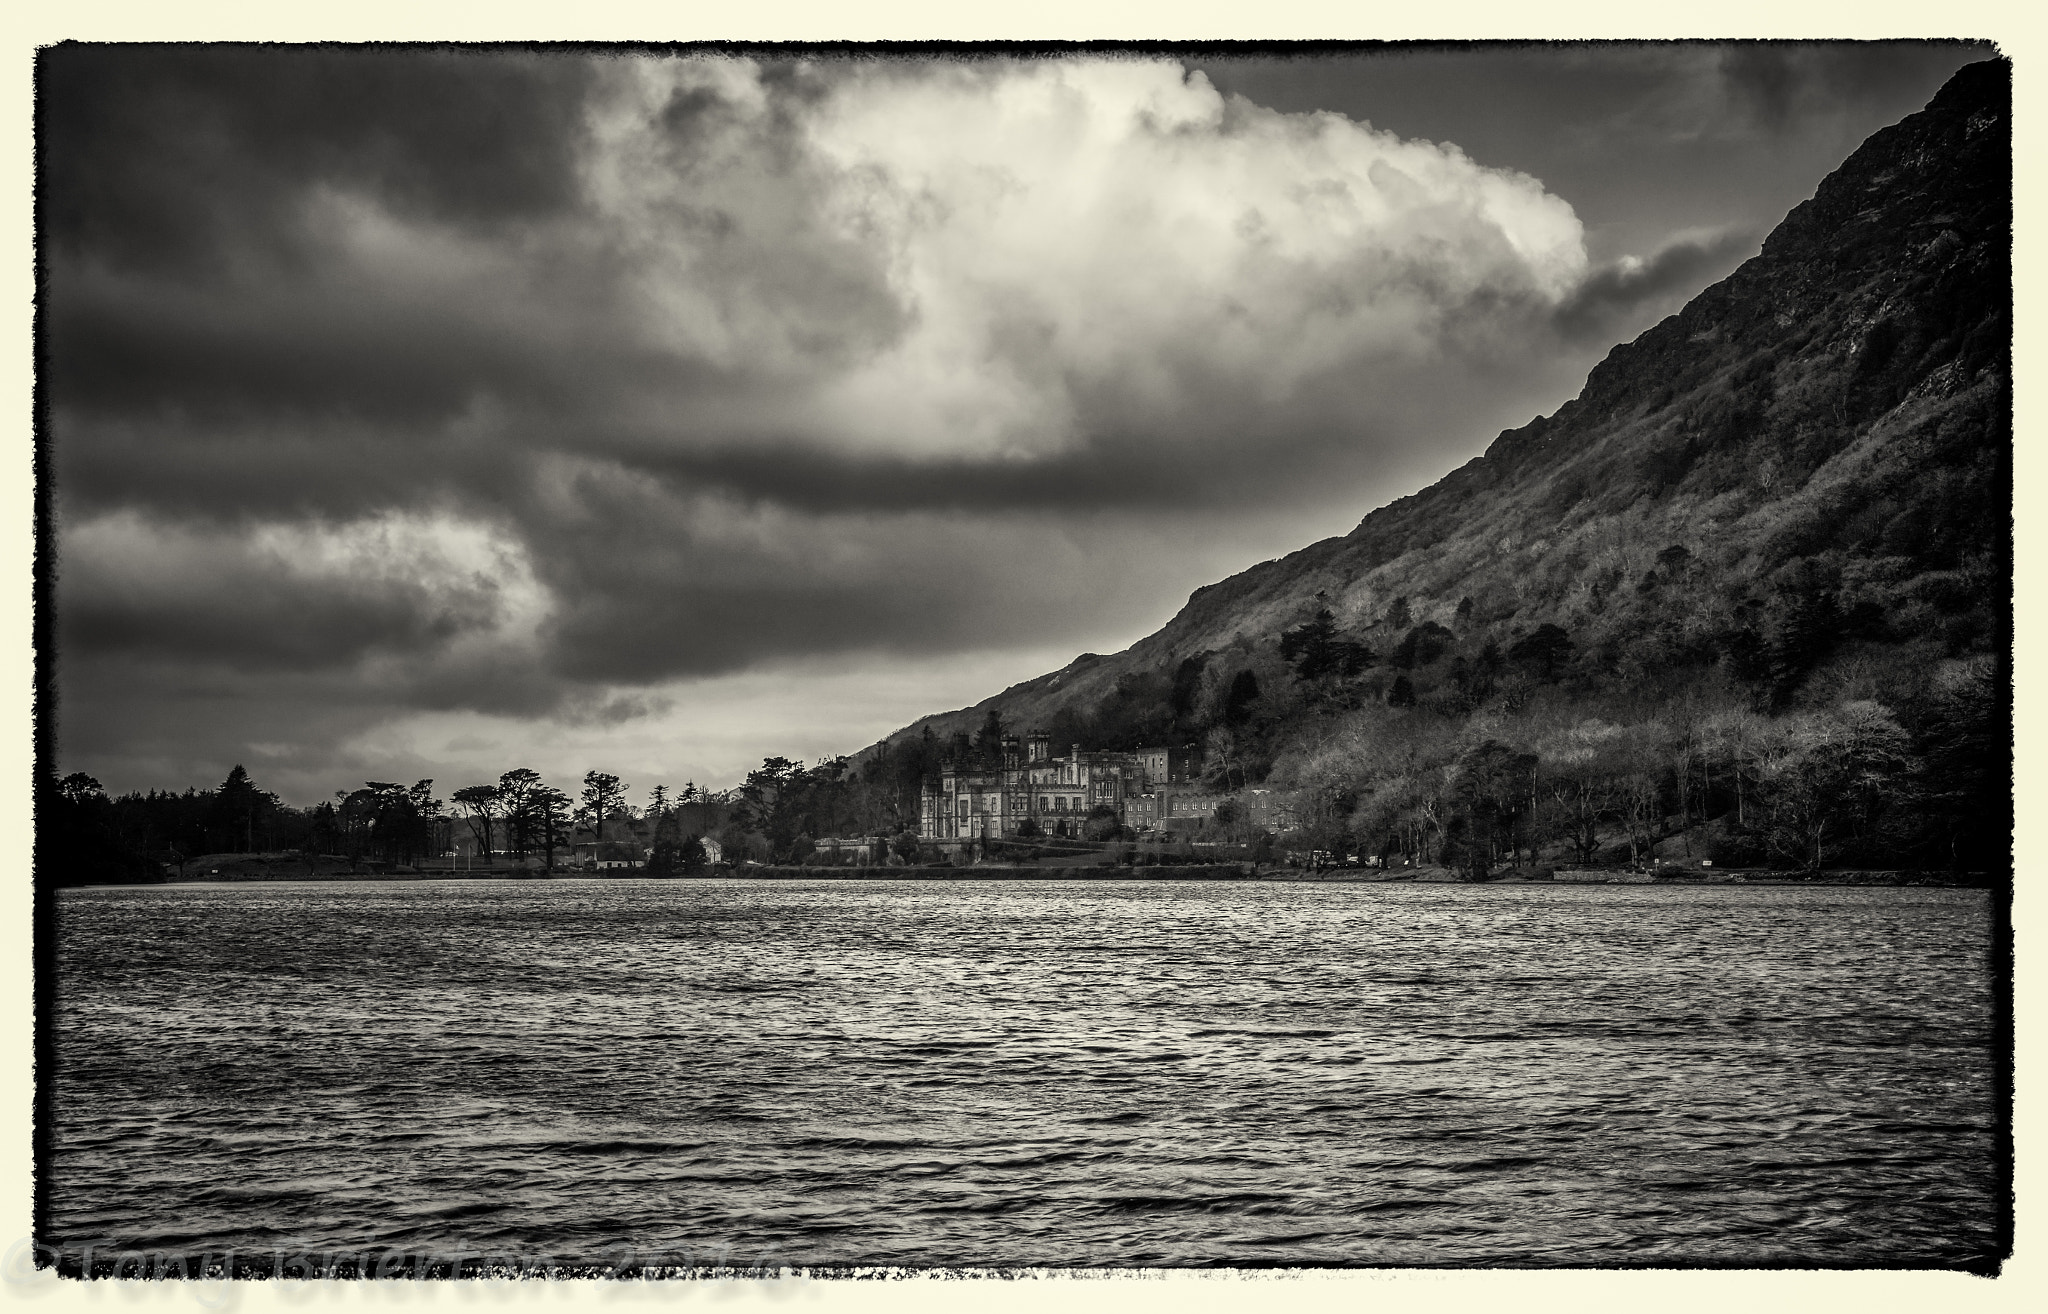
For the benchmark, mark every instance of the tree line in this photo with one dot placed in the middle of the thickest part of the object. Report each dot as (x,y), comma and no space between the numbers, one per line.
(86,836)
(775,815)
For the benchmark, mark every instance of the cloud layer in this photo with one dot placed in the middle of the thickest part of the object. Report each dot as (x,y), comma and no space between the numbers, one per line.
(388,384)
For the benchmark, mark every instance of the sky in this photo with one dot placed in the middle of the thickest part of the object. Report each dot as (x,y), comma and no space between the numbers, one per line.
(420,413)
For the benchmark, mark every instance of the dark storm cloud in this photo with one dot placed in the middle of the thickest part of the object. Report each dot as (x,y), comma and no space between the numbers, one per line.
(178,157)
(1612,294)
(306,598)
(649,584)
(1226,460)
(276,349)
(263,621)
(1775,86)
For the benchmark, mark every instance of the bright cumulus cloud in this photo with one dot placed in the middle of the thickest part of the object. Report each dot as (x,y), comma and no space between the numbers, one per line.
(1010,261)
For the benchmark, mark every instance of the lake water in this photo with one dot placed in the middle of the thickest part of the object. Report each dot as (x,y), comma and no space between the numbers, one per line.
(1025,1073)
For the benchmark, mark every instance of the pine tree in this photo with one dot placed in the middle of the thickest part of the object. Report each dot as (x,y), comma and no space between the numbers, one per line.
(602,793)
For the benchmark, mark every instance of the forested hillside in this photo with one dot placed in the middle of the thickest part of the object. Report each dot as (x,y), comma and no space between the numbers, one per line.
(1746,598)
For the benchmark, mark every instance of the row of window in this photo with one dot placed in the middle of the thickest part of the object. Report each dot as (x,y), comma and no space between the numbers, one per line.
(1055,804)
(1183,804)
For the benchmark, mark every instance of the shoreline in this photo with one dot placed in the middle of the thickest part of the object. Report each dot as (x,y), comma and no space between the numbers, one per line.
(1212,873)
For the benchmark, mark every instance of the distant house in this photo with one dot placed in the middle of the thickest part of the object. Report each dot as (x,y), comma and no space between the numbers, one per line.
(872,851)
(610,854)
(1270,809)
(1191,808)
(1187,809)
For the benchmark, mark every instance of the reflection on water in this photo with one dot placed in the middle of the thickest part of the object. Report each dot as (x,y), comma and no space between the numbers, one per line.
(1126,1073)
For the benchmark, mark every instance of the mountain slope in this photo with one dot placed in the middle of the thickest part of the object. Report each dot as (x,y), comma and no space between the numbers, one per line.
(1795,489)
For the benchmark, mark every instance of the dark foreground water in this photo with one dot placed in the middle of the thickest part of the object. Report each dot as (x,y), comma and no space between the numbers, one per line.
(1029,1072)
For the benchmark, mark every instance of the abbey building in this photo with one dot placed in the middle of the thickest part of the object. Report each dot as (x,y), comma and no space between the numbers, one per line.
(1144,790)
